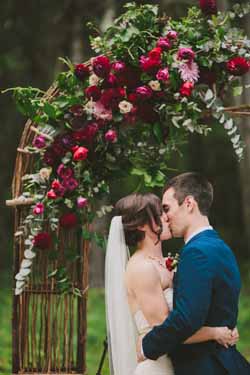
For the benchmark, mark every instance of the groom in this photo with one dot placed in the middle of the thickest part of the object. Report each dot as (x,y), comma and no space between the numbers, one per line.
(206,287)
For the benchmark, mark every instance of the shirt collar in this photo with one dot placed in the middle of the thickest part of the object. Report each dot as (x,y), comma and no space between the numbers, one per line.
(202,229)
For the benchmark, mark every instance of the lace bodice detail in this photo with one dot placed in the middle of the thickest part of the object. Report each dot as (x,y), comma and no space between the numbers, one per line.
(140,320)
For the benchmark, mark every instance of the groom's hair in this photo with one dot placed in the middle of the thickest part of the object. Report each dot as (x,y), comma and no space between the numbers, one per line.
(192,183)
(137,210)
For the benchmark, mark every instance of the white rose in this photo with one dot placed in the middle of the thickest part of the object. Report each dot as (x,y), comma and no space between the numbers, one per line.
(93,80)
(155,85)
(125,107)
(45,173)
(89,107)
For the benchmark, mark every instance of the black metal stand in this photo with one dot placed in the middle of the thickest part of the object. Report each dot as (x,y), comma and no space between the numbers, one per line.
(105,347)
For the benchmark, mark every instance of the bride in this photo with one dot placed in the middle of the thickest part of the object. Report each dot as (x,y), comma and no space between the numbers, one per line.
(139,289)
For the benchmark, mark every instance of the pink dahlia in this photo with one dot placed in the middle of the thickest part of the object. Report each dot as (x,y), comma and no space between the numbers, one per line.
(189,71)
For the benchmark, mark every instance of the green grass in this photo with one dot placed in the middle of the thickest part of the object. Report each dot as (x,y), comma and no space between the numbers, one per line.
(96,328)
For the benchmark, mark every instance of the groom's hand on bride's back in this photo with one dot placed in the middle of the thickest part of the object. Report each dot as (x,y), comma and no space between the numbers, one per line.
(226,337)
(139,350)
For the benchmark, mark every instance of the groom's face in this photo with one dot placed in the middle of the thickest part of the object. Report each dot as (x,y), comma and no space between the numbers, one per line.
(174,213)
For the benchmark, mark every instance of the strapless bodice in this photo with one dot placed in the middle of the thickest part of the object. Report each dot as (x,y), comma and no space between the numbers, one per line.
(140,320)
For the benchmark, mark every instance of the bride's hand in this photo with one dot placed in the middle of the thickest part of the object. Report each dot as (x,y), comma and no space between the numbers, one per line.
(225,336)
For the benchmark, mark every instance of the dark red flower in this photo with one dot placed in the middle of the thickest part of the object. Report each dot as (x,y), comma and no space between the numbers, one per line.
(93,92)
(58,149)
(70,183)
(42,240)
(147,113)
(238,66)
(68,220)
(50,158)
(149,65)
(67,141)
(111,97)
(77,110)
(207,76)
(110,81)
(78,122)
(101,66)
(208,7)
(129,77)
(81,71)
(163,43)
(80,153)
(64,172)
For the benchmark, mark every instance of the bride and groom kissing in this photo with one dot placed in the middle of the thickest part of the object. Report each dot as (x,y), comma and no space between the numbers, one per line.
(179,322)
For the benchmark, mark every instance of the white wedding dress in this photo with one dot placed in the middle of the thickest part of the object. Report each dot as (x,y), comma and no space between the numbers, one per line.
(163,365)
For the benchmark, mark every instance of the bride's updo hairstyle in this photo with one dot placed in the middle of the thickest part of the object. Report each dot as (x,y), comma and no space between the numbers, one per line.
(137,210)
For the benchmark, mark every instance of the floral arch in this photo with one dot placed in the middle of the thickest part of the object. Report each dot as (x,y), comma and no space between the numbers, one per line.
(154,80)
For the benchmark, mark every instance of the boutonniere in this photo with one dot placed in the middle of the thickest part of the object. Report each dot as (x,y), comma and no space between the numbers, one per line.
(172,262)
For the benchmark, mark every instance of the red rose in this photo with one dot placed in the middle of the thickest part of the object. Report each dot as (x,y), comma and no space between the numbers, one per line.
(110,81)
(101,66)
(51,194)
(169,263)
(81,71)
(55,184)
(149,65)
(68,220)
(93,92)
(155,54)
(186,89)
(238,66)
(42,240)
(111,136)
(208,7)
(80,153)
(163,43)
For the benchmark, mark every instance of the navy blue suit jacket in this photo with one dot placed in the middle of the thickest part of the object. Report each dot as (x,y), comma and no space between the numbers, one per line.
(206,293)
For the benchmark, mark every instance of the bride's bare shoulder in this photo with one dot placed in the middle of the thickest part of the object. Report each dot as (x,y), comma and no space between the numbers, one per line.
(139,267)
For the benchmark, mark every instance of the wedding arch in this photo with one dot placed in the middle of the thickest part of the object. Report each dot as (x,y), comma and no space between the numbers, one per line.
(154,80)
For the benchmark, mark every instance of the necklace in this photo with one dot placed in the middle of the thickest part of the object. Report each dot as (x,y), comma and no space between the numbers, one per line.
(161,262)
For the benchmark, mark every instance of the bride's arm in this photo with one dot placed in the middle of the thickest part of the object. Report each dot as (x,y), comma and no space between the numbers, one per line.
(223,335)
(144,281)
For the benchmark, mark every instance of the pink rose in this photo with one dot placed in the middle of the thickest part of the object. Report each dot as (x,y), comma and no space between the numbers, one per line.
(163,43)
(39,141)
(163,75)
(80,153)
(51,194)
(82,202)
(111,136)
(38,209)
(144,92)
(172,35)
(118,66)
